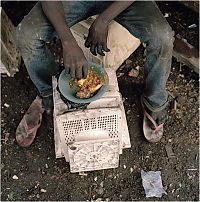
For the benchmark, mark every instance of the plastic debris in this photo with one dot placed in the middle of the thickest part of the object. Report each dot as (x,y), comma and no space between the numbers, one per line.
(82,173)
(173,105)
(43,190)
(99,199)
(192,169)
(192,26)
(120,74)
(152,183)
(6,105)
(133,73)
(137,68)
(166,15)
(101,184)
(15,177)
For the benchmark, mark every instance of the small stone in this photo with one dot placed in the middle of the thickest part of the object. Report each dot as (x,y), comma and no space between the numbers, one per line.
(101,184)
(128,112)
(192,26)
(131,169)
(124,166)
(137,68)
(15,177)
(95,179)
(6,105)
(46,165)
(43,190)
(100,191)
(166,15)
(128,62)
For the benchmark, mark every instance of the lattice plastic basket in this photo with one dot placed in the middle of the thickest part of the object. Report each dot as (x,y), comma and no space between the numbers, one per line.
(90,124)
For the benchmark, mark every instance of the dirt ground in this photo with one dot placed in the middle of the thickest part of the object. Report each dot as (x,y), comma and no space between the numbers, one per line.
(43,177)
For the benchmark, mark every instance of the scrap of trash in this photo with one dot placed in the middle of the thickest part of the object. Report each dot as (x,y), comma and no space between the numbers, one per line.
(134,72)
(152,184)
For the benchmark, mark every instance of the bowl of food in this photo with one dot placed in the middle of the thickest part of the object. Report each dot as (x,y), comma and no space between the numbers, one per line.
(87,89)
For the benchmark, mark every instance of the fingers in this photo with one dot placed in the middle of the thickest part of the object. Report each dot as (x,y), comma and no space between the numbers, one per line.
(78,70)
(105,48)
(99,50)
(96,48)
(72,72)
(79,74)
(93,49)
(67,69)
(87,42)
(85,70)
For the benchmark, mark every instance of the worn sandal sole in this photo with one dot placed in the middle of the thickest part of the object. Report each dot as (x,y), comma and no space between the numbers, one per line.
(152,135)
(24,130)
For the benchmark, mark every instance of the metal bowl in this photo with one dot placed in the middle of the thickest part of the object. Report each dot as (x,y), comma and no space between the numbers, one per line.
(69,92)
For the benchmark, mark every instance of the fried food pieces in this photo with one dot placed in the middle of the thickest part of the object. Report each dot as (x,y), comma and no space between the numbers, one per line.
(89,85)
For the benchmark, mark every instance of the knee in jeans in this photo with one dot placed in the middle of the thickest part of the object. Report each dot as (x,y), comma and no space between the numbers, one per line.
(165,37)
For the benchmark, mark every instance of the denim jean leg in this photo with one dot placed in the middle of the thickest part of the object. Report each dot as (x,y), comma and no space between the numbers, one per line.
(144,20)
(31,37)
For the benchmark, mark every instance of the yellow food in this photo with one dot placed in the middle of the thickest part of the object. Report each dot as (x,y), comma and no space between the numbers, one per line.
(89,85)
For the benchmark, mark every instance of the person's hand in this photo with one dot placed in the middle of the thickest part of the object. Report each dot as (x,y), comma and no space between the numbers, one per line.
(97,37)
(74,61)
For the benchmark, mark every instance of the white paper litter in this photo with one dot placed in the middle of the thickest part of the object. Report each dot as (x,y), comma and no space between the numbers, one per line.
(166,15)
(192,26)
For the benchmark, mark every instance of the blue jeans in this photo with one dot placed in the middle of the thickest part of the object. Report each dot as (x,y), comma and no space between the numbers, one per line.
(143,19)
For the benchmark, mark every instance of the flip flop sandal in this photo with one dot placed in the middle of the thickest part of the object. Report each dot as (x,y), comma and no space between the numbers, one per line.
(152,135)
(24,134)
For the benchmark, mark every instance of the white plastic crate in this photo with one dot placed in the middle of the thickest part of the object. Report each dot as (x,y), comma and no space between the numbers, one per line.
(91,124)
